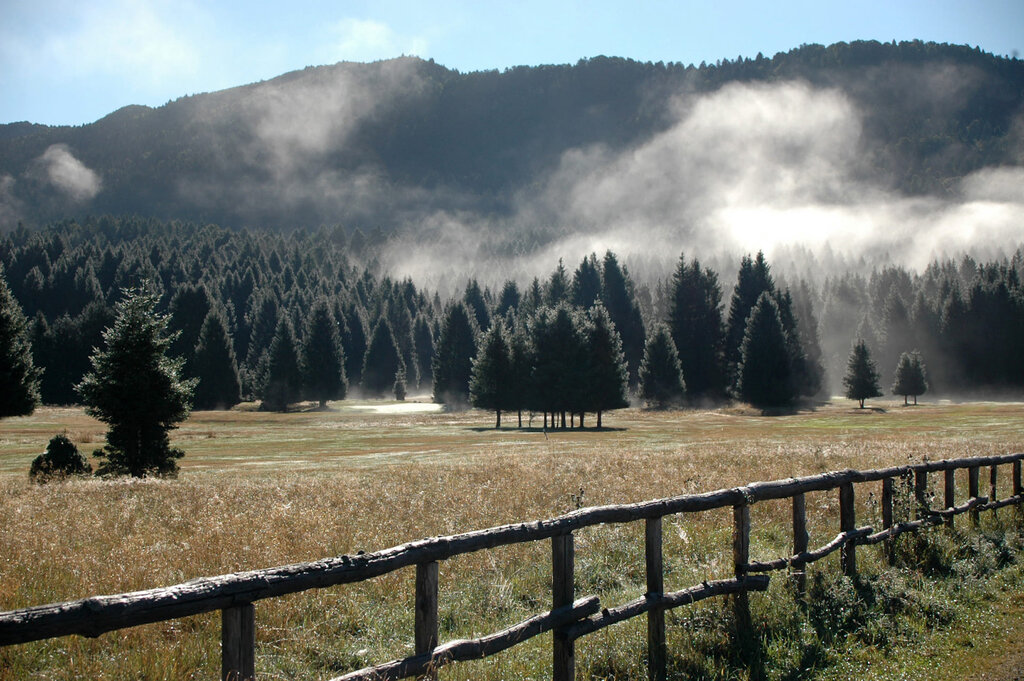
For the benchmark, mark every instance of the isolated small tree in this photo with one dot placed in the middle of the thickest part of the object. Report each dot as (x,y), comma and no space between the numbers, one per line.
(215,366)
(137,390)
(764,376)
(491,384)
(322,360)
(861,378)
(400,388)
(282,384)
(661,377)
(60,460)
(19,377)
(910,378)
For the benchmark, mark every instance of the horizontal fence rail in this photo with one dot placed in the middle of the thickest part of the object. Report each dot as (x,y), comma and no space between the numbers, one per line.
(569,618)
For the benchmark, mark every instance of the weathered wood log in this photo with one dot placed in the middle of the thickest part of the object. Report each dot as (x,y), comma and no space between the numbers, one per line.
(921,493)
(949,496)
(1002,503)
(800,541)
(900,528)
(890,546)
(238,643)
(1018,489)
(972,493)
(610,616)
(948,513)
(656,650)
(425,618)
(562,594)
(847,523)
(808,557)
(475,649)
(99,614)
(740,559)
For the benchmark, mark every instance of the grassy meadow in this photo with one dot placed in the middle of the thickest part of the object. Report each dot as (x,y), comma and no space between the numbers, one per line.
(259,489)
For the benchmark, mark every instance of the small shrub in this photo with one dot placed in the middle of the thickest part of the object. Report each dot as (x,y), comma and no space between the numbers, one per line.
(60,460)
(400,389)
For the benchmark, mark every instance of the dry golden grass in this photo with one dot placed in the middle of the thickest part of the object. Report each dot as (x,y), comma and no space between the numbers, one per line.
(259,489)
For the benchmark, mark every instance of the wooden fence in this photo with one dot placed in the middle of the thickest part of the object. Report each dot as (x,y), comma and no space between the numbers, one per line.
(569,618)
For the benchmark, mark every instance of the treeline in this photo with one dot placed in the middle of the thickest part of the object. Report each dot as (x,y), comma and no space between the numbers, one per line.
(288,318)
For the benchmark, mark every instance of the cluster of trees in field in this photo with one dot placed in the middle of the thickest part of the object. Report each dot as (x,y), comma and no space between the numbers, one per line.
(288,318)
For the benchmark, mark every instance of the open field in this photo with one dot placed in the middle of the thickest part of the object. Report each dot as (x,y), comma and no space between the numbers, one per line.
(262,489)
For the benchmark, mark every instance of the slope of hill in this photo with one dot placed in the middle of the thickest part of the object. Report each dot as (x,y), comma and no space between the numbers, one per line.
(391,143)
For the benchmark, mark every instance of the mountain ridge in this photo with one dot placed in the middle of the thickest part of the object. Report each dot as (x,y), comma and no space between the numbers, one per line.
(388,143)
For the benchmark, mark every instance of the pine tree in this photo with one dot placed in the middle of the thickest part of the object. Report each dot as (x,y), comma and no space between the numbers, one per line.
(607,378)
(215,366)
(585,289)
(753,279)
(910,378)
(453,357)
(322,360)
(188,311)
(559,355)
(508,299)
(137,390)
(19,377)
(618,299)
(521,354)
(661,377)
(695,320)
(557,289)
(491,384)
(474,301)
(354,342)
(423,343)
(282,384)
(861,378)
(382,363)
(765,373)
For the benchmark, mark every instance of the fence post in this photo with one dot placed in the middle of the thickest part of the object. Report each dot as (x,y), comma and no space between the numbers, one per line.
(972,493)
(562,593)
(921,493)
(656,667)
(1017,490)
(238,643)
(847,523)
(799,542)
(889,545)
(949,500)
(740,559)
(993,478)
(426,620)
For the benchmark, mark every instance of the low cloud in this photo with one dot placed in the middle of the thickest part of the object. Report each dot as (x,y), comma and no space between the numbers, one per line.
(65,172)
(776,167)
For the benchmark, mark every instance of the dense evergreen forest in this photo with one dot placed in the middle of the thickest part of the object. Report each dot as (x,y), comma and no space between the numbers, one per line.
(283,318)
(381,145)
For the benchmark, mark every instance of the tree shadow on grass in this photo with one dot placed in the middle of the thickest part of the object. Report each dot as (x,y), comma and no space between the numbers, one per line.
(535,429)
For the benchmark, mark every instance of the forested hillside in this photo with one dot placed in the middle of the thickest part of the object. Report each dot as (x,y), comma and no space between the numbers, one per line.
(391,144)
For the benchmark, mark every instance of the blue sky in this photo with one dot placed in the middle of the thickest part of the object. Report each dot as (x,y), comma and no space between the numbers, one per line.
(74,61)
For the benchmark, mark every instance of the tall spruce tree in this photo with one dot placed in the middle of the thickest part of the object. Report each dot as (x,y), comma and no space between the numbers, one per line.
(383,363)
(322,359)
(508,299)
(910,378)
(585,289)
(491,383)
(19,377)
(453,357)
(607,378)
(661,376)
(215,366)
(188,310)
(765,376)
(423,343)
(861,378)
(753,279)
(695,321)
(557,289)
(624,311)
(559,353)
(475,302)
(354,342)
(137,390)
(282,384)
